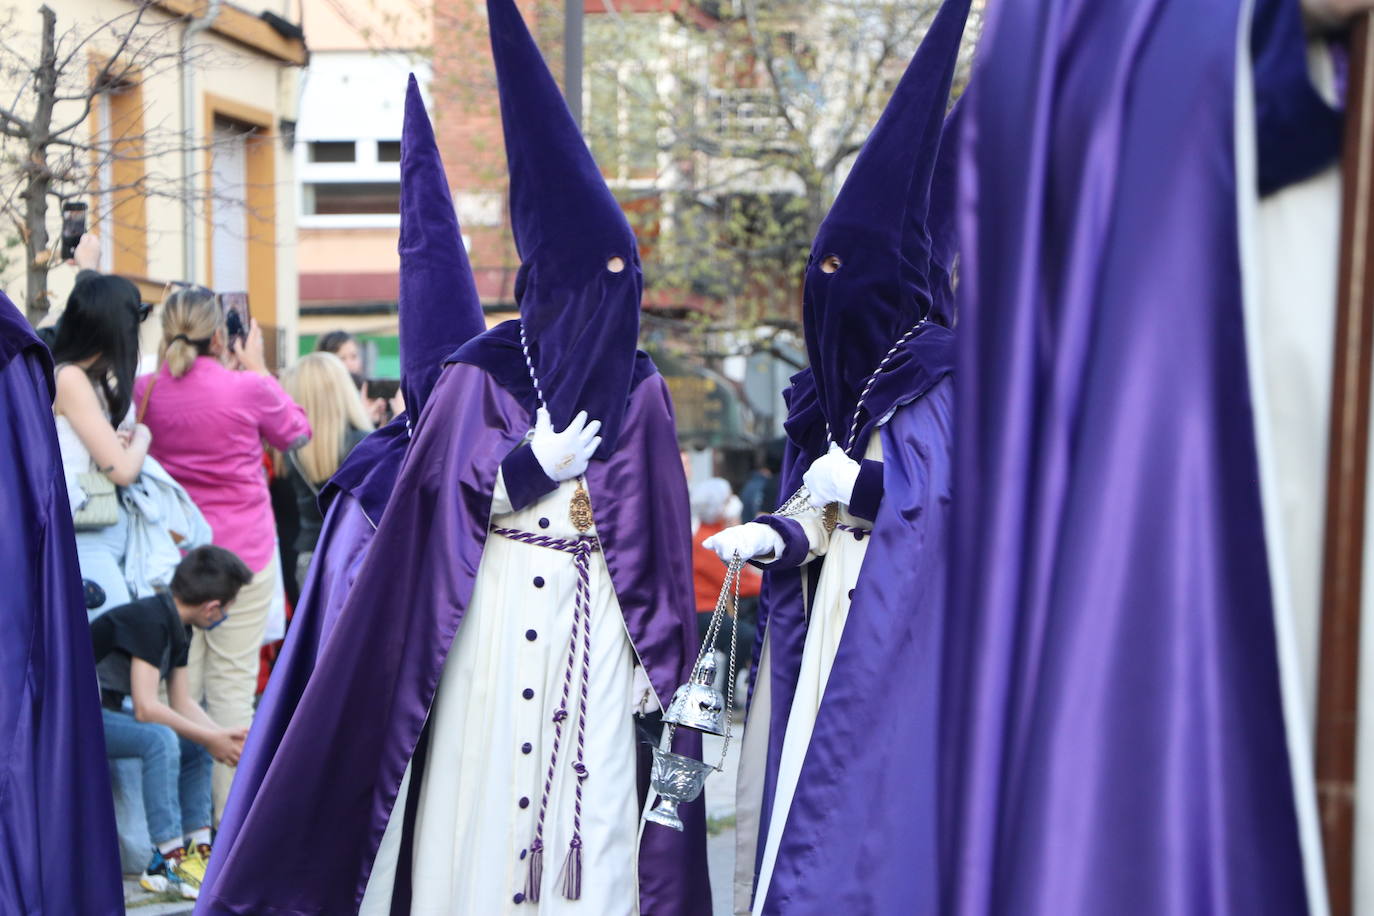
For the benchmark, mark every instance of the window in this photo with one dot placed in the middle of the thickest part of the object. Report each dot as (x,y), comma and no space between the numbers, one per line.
(622,122)
(333,151)
(350,183)
(119,210)
(352,197)
(229,206)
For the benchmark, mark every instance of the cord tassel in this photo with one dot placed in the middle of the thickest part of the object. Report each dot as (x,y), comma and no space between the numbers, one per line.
(572,871)
(536,873)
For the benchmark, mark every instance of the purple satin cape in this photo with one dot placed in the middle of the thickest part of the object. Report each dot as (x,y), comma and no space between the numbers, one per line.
(344,539)
(1113,735)
(861,833)
(308,843)
(54,779)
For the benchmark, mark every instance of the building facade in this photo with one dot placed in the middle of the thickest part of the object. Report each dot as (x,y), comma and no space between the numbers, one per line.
(190,169)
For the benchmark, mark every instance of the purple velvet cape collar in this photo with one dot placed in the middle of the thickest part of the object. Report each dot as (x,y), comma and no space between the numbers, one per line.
(308,843)
(498,353)
(916,368)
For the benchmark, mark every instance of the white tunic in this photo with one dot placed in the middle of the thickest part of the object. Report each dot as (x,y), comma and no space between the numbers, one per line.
(844,555)
(489,745)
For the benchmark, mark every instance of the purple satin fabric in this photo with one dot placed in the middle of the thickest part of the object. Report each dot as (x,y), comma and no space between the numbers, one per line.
(343,544)
(308,843)
(1112,735)
(54,780)
(861,833)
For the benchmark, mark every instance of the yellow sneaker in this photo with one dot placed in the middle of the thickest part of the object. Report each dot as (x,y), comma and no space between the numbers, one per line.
(191,871)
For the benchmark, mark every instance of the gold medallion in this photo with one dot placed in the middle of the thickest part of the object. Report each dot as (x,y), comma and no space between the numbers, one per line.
(830,517)
(580,509)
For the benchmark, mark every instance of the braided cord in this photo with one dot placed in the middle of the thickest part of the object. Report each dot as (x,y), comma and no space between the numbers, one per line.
(871,381)
(800,501)
(529,364)
(579,639)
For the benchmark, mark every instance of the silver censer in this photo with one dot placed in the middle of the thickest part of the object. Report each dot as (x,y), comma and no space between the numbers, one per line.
(697,705)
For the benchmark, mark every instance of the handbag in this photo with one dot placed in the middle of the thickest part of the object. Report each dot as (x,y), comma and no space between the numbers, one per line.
(101,509)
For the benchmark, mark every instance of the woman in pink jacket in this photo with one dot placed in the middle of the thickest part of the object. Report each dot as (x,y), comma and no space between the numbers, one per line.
(212,404)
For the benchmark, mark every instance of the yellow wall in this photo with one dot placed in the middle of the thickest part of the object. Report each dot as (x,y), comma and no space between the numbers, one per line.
(324,251)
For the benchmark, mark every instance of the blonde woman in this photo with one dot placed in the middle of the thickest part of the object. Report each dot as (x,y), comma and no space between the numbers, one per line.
(320,382)
(212,405)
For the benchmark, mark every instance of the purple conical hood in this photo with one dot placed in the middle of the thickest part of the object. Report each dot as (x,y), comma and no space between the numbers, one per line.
(942,222)
(580,316)
(878,230)
(438,304)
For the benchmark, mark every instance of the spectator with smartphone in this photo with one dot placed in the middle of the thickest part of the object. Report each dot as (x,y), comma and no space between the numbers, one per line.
(210,406)
(345,346)
(138,646)
(381,405)
(95,349)
(319,382)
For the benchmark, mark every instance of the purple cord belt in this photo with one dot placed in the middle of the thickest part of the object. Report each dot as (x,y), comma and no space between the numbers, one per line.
(581,550)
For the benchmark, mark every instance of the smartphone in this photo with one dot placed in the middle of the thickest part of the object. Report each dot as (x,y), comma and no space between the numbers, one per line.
(237,318)
(73,226)
(384,388)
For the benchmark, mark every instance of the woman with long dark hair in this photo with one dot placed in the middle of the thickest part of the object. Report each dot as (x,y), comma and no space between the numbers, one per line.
(96,354)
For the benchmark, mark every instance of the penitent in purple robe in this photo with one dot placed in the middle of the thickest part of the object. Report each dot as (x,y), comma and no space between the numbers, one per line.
(858,833)
(311,838)
(1114,734)
(54,781)
(307,845)
(438,310)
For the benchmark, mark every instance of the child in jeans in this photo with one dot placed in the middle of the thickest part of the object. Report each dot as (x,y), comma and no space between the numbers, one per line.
(137,647)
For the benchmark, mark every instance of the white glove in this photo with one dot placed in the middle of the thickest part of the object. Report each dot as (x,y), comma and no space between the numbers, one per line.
(564,455)
(749,540)
(831,478)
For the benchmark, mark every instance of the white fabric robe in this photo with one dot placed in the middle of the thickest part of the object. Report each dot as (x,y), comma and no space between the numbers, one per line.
(479,800)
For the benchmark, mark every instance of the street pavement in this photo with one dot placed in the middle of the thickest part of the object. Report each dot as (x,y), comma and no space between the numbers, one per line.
(720,841)
(142,903)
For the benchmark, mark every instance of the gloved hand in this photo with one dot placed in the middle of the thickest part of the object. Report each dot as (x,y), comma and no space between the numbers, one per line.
(831,477)
(749,540)
(564,455)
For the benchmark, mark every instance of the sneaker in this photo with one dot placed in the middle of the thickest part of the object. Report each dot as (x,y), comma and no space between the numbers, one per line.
(160,877)
(193,865)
